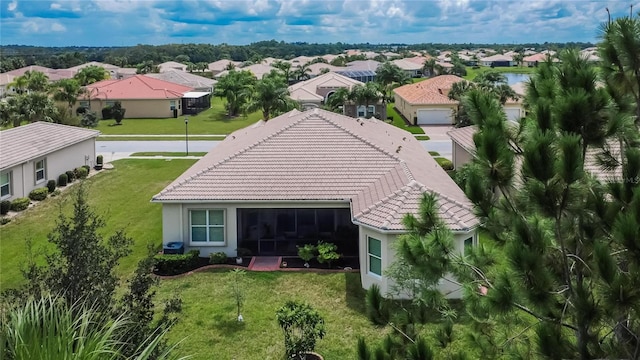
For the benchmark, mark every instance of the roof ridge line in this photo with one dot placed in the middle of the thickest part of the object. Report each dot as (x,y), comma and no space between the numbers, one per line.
(237,153)
(449,199)
(381,201)
(400,198)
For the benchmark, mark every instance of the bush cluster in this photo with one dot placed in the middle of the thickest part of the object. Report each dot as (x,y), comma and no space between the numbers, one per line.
(20,204)
(444,163)
(70,176)
(173,264)
(51,185)
(5,206)
(81,172)
(218,258)
(39,194)
(63,179)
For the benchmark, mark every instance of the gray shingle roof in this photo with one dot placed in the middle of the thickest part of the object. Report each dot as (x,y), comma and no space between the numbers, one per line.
(319,155)
(31,141)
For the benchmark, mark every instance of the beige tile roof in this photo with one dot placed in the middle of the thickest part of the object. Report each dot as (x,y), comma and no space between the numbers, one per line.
(328,80)
(316,68)
(184,78)
(105,66)
(258,70)
(221,65)
(319,155)
(429,92)
(464,138)
(31,141)
(405,64)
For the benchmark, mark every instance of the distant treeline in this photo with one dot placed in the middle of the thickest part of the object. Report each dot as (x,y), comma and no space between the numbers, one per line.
(16,56)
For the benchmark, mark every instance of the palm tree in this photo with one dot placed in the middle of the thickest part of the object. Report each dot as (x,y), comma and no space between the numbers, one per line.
(389,73)
(459,89)
(337,99)
(37,81)
(235,87)
(20,84)
(270,95)
(90,75)
(285,69)
(67,90)
(366,94)
(302,72)
(429,67)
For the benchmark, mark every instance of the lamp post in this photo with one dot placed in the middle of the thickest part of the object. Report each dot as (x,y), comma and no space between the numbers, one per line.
(186,132)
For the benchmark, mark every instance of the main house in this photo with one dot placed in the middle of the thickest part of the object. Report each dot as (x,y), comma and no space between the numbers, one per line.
(32,154)
(427,102)
(145,97)
(314,92)
(308,176)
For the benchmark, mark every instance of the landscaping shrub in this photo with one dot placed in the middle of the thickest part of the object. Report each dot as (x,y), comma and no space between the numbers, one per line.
(106,113)
(307,253)
(327,253)
(89,119)
(39,194)
(444,163)
(218,258)
(70,176)
(377,308)
(63,179)
(20,204)
(51,185)
(117,112)
(302,326)
(81,110)
(4,220)
(87,167)
(5,206)
(173,264)
(81,172)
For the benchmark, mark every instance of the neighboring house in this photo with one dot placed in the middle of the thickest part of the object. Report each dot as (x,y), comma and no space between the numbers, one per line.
(535,59)
(308,176)
(357,110)
(361,70)
(111,69)
(5,89)
(172,65)
(219,66)
(258,70)
(145,97)
(464,150)
(196,82)
(300,60)
(124,73)
(412,68)
(330,57)
(52,74)
(427,102)
(318,68)
(498,60)
(32,154)
(315,91)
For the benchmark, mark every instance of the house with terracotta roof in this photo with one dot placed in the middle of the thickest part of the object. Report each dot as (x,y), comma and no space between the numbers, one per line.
(32,154)
(427,102)
(314,92)
(308,176)
(412,68)
(145,97)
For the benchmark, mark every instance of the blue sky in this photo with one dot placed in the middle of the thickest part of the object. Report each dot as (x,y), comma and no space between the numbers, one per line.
(131,22)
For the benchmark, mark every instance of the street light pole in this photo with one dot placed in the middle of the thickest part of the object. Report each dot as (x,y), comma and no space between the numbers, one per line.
(186,132)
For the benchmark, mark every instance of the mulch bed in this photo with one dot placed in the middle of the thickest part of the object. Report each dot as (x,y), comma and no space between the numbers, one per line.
(350,264)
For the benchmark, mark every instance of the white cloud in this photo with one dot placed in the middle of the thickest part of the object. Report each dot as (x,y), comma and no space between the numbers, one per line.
(42,26)
(55,6)
(57,27)
(12,5)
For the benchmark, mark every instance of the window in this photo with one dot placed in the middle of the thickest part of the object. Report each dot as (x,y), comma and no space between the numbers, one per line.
(41,173)
(468,244)
(372,110)
(110,103)
(207,226)
(5,185)
(172,104)
(362,111)
(374,250)
(84,104)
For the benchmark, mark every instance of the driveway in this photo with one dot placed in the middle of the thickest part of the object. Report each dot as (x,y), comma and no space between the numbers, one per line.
(114,150)
(437,132)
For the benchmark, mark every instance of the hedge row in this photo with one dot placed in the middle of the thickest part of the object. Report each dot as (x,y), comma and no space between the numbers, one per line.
(173,264)
(39,194)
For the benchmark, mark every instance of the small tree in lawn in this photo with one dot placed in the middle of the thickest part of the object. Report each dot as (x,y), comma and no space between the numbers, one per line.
(117,112)
(302,326)
(237,289)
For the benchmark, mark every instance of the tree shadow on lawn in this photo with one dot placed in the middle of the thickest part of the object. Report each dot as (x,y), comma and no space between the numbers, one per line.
(226,323)
(354,293)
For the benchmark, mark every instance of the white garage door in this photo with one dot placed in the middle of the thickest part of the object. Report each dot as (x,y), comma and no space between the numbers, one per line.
(513,114)
(435,117)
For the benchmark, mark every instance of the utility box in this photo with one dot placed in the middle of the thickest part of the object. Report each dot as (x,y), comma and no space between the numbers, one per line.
(175,247)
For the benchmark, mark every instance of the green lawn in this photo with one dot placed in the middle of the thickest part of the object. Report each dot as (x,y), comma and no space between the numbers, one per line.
(168,154)
(121,195)
(211,121)
(472,73)
(399,122)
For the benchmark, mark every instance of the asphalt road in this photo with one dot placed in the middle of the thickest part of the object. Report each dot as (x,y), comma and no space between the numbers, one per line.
(113,150)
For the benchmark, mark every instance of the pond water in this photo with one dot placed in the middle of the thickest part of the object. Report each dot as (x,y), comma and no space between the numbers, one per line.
(513,78)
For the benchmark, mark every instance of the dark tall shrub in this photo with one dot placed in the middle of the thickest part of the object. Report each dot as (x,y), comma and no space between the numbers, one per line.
(5,206)
(51,185)
(63,179)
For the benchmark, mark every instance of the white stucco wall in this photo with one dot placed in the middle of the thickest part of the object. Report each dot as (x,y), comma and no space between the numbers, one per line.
(23,175)
(449,288)
(175,221)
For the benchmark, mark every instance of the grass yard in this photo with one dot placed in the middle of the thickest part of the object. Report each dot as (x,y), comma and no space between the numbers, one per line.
(472,73)
(168,154)
(211,121)
(122,196)
(398,121)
